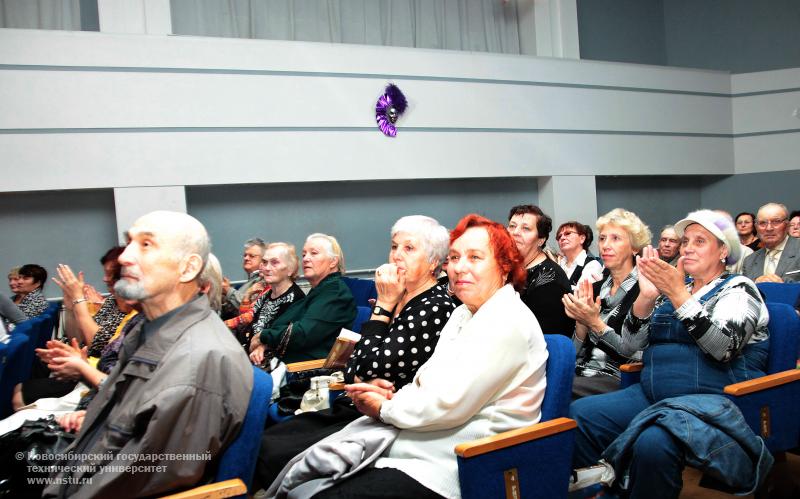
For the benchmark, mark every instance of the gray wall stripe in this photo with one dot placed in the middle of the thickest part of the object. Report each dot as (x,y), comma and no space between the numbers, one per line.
(34,131)
(323,74)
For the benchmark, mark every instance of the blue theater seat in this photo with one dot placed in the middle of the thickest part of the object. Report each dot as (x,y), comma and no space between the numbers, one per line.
(533,462)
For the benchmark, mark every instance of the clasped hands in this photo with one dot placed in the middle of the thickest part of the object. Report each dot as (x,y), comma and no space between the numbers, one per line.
(369,396)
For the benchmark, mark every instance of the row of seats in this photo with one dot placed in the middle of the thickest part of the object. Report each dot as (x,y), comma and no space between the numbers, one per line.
(17,354)
(535,462)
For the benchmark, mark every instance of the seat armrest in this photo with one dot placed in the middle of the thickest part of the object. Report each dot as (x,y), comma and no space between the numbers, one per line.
(514,437)
(633,367)
(770,406)
(762,383)
(218,490)
(296,367)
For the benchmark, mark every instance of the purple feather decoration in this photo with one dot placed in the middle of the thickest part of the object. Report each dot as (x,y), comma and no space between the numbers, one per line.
(388,109)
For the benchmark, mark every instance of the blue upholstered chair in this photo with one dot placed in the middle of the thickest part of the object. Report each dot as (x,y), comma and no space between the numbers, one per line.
(363,290)
(239,460)
(533,462)
(362,315)
(780,292)
(235,472)
(770,404)
(13,356)
(21,365)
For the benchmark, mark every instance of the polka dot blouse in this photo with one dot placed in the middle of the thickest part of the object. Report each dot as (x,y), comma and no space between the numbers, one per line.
(395,351)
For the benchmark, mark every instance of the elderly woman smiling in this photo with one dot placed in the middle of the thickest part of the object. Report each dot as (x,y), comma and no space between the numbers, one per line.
(410,312)
(487,375)
(600,308)
(697,338)
(317,319)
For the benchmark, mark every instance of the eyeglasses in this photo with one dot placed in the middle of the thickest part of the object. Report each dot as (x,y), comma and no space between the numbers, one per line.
(771,223)
(566,233)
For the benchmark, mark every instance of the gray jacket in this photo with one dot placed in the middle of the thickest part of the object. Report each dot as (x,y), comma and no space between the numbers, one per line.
(753,265)
(168,409)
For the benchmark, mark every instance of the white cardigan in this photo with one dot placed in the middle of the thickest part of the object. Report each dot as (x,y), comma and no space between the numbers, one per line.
(486,376)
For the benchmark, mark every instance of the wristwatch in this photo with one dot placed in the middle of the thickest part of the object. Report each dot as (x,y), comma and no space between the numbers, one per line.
(378,310)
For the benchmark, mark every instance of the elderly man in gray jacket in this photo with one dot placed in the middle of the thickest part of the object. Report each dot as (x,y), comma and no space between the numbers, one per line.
(179,393)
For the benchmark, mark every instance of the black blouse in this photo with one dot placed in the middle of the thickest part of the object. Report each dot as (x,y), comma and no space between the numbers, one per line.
(546,284)
(395,351)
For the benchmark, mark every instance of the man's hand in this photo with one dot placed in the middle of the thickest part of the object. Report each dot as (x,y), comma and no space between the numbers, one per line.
(769,278)
(72,421)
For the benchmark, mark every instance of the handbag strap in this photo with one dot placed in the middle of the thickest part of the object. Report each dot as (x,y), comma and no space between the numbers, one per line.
(283,344)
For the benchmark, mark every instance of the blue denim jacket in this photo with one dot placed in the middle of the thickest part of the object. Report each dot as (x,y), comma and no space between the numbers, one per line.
(713,433)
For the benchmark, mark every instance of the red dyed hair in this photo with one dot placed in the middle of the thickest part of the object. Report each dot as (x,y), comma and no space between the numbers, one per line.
(505,250)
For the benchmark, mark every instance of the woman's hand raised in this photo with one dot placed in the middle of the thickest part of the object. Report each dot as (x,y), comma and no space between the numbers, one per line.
(582,306)
(390,282)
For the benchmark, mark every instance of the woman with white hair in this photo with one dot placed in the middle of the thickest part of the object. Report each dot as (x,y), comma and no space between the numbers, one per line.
(308,328)
(698,336)
(279,270)
(410,311)
(600,308)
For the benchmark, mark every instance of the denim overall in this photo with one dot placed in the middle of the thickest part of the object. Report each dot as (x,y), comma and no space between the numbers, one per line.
(674,365)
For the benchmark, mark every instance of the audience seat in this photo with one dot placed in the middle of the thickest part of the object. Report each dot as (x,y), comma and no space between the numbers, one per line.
(13,357)
(780,292)
(770,404)
(238,463)
(533,462)
(363,290)
(362,315)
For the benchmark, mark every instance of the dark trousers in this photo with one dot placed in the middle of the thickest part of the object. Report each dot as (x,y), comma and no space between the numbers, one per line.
(281,442)
(378,483)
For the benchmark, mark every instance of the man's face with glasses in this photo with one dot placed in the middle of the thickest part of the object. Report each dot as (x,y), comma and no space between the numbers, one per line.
(771,224)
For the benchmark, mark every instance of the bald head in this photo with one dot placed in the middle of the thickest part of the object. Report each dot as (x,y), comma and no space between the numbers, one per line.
(163,260)
(772,224)
(183,232)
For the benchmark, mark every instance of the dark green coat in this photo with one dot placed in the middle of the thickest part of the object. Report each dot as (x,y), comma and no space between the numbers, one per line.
(316,320)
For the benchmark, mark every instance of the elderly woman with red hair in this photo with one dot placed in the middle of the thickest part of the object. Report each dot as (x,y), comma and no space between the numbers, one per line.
(486,376)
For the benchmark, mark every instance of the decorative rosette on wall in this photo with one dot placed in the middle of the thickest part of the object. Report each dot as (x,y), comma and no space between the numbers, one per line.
(390,106)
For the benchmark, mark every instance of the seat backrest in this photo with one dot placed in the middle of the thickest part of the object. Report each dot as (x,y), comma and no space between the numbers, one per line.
(560,371)
(784,334)
(17,368)
(362,289)
(362,315)
(780,292)
(239,460)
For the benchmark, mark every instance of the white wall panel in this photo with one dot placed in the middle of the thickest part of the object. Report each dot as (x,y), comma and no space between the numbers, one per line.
(767,153)
(35,99)
(77,160)
(119,50)
(764,108)
(108,110)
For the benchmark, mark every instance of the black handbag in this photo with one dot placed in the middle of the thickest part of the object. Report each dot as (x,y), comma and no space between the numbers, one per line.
(27,456)
(297,384)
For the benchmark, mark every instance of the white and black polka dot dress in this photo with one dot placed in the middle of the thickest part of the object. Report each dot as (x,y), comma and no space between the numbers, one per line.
(395,351)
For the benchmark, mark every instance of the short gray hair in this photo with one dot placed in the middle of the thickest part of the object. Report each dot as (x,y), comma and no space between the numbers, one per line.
(212,276)
(256,241)
(332,248)
(778,205)
(434,237)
